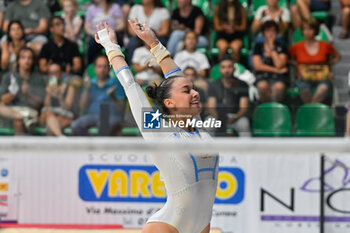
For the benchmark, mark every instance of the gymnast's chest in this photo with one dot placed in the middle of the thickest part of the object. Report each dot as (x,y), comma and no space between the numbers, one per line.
(197,166)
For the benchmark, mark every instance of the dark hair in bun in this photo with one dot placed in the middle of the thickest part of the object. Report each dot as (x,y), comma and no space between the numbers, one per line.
(160,93)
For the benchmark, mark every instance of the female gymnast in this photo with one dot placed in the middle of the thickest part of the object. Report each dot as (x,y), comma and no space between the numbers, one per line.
(190,179)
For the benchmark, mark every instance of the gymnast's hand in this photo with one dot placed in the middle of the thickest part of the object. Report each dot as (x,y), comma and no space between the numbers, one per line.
(111,33)
(143,32)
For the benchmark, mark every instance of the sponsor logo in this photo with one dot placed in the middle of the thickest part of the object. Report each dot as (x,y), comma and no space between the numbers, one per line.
(3,187)
(336,193)
(109,183)
(4,172)
(230,186)
(3,200)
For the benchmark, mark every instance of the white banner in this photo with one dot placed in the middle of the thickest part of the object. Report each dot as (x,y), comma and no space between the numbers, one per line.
(257,192)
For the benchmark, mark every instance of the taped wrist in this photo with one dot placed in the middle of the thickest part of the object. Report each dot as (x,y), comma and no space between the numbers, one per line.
(112,50)
(160,52)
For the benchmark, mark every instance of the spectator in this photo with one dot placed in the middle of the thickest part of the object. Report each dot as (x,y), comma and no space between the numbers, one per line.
(60,50)
(186,17)
(24,90)
(72,21)
(200,84)
(107,11)
(34,17)
(345,19)
(15,41)
(102,90)
(157,18)
(145,75)
(230,22)
(301,11)
(270,64)
(190,57)
(271,12)
(313,63)
(228,100)
(57,114)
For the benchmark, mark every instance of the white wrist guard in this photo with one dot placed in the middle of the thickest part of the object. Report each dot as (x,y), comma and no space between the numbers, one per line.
(112,49)
(159,52)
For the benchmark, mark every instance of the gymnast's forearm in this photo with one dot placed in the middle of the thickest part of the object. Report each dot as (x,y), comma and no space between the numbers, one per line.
(167,65)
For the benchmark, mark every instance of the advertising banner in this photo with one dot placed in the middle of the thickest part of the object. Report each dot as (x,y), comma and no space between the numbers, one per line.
(257,192)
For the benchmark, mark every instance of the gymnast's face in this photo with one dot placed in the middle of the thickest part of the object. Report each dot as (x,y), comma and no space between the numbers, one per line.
(184,99)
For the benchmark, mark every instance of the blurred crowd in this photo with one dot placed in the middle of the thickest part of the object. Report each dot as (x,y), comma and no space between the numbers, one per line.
(239,53)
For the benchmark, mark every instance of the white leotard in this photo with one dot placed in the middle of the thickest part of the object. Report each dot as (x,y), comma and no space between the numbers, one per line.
(190,179)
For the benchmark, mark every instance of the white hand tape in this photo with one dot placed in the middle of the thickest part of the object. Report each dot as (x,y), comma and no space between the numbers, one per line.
(106,41)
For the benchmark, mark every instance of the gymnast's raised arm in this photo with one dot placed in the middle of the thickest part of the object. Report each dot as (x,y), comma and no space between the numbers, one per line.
(161,55)
(137,98)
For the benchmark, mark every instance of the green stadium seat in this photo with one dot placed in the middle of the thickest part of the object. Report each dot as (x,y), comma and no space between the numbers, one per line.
(314,120)
(205,7)
(58,13)
(292,92)
(7,131)
(215,71)
(166,4)
(320,15)
(298,36)
(68,131)
(213,50)
(203,50)
(93,131)
(272,120)
(130,131)
(82,2)
(90,71)
(40,131)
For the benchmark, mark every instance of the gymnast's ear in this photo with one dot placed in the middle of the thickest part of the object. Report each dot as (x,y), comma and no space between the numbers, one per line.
(169,103)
